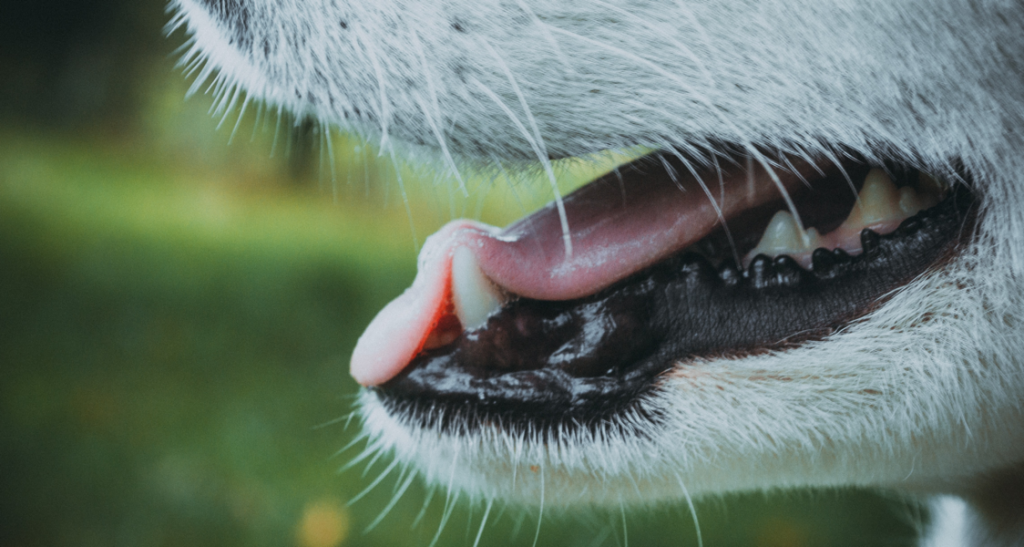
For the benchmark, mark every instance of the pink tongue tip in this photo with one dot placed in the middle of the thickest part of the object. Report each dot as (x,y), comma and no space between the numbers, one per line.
(617,229)
(404,327)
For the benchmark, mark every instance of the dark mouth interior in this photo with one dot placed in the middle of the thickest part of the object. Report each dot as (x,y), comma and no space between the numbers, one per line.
(580,362)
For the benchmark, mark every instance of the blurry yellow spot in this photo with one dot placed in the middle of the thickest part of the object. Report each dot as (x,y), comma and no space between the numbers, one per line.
(782,533)
(324,524)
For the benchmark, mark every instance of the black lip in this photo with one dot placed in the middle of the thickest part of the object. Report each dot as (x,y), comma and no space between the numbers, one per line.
(580,362)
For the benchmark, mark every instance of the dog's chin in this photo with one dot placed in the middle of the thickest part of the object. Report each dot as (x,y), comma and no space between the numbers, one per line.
(785,419)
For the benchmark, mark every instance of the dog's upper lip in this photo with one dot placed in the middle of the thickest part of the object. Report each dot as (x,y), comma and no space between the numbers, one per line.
(620,224)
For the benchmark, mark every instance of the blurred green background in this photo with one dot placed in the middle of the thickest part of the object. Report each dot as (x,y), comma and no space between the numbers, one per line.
(179,298)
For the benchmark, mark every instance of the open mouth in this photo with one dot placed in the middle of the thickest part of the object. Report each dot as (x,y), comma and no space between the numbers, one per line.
(663,266)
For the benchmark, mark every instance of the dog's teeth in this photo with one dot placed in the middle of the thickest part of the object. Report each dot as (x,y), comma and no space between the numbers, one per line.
(913,202)
(784,236)
(925,194)
(878,202)
(474,295)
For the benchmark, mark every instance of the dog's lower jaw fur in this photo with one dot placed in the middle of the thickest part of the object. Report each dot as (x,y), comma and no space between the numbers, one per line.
(923,395)
(879,418)
(987,512)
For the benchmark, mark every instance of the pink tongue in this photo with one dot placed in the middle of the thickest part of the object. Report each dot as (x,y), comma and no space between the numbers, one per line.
(619,226)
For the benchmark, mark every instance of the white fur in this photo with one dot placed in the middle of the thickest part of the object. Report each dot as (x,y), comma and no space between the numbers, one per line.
(950,523)
(924,395)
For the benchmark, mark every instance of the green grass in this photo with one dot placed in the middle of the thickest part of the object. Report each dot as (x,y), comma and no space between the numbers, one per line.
(175,325)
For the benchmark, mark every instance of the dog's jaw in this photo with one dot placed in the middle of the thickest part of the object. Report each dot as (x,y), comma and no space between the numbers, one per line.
(926,395)
(880,416)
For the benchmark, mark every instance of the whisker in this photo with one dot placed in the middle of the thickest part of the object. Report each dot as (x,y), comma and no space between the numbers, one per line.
(370,464)
(423,510)
(241,114)
(711,199)
(671,172)
(849,182)
(431,121)
(599,539)
(693,510)
(347,417)
(536,141)
(405,198)
(359,438)
(793,169)
(369,450)
(385,473)
(483,522)
(371,54)
(325,130)
(391,505)
(540,515)
(625,529)
(770,170)
(449,507)
(725,225)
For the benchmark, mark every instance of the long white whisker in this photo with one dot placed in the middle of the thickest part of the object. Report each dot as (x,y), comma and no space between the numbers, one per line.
(721,194)
(241,114)
(382,91)
(449,507)
(345,418)
(792,168)
(849,182)
(325,130)
(391,505)
(405,198)
(711,199)
(671,172)
(423,510)
(770,170)
(536,141)
(703,99)
(370,464)
(625,530)
(277,131)
(229,106)
(259,119)
(370,450)
(599,539)
(693,510)
(432,117)
(540,515)
(483,522)
(374,484)
(450,500)
(517,459)
(358,438)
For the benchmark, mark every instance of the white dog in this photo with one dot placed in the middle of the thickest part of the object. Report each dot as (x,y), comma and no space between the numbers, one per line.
(583,355)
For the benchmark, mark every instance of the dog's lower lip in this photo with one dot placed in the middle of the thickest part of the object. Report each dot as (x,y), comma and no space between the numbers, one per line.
(578,362)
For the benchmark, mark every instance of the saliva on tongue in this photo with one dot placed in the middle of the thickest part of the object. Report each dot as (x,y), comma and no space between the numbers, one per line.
(619,224)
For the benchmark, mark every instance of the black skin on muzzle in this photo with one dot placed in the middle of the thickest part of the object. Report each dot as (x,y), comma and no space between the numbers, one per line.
(580,362)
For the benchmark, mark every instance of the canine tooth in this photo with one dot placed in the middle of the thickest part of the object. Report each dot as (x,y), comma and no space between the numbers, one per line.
(474,295)
(783,236)
(878,201)
(912,201)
